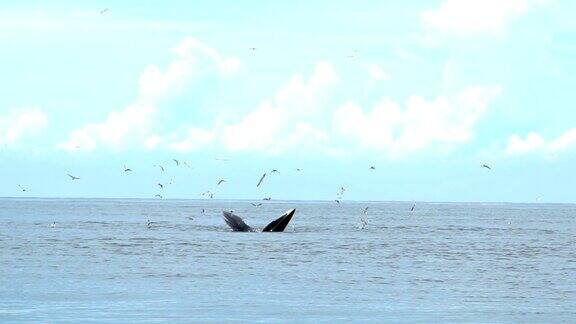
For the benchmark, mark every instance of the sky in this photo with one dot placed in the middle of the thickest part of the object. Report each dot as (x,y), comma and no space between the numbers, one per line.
(425,91)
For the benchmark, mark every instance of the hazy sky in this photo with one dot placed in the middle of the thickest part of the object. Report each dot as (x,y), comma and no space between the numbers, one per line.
(425,91)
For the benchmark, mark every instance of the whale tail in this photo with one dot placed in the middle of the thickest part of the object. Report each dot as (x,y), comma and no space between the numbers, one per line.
(279,224)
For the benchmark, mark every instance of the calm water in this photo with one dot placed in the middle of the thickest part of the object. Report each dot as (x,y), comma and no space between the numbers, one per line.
(440,263)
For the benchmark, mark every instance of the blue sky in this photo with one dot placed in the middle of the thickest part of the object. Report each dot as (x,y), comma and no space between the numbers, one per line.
(426,91)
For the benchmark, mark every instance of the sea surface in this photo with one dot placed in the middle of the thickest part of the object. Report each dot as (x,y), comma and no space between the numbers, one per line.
(443,262)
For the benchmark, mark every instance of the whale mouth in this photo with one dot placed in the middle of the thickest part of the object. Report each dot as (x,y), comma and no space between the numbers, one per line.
(280,223)
(238,225)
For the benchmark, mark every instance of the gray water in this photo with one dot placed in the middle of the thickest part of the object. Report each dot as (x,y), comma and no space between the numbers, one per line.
(444,262)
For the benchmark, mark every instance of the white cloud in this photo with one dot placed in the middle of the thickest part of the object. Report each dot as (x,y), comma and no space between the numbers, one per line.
(21,123)
(535,143)
(195,139)
(133,124)
(418,124)
(473,17)
(376,73)
(277,123)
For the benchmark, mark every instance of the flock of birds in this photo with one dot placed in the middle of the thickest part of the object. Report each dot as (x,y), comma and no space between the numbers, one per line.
(210,194)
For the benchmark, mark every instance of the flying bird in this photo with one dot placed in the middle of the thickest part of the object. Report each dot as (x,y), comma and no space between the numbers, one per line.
(256,205)
(149,224)
(103,11)
(176,161)
(161,186)
(186,164)
(267,198)
(161,167)
(337,201)
(72,177)
(372,168)
(261,179)
(22,188)
(221,159)
(221,181)
(158,196)
(203,210)
(486,166)
(298,169)
(413,206)
(274,171)
(126,169)
(53,225)
(252,48)
(365,211)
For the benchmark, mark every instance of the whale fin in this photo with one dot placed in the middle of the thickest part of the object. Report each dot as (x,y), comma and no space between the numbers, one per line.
(235,222)
(279,224)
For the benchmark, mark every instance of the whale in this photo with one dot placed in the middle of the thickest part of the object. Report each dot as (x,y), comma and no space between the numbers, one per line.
(238,225)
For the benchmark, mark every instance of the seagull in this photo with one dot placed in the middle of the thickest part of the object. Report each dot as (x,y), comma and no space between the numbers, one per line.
(256,205)
(22,188)
(72,177)
(274,171)
(363,223)
(413,206)
(103,11)
(161,186)
(221,181)
(126,169)
(267,198)
(261,179)
(186,164)
(176,161)
(372,168)
(159,196)
(486,166)
(161,167)
(365,211)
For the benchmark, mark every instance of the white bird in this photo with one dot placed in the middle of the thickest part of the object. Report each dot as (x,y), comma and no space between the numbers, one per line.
(365,211)
(53,225)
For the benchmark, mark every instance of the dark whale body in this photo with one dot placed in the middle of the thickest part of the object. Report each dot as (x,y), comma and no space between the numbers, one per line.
(278,225)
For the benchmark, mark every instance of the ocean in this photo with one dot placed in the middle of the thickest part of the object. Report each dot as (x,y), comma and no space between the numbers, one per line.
(443,262)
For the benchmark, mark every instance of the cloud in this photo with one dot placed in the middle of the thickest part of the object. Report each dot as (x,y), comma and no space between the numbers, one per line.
(535,143)
(21,123)
(133,124)
(277,123)
(417,124)
(376,73)
(475,17)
